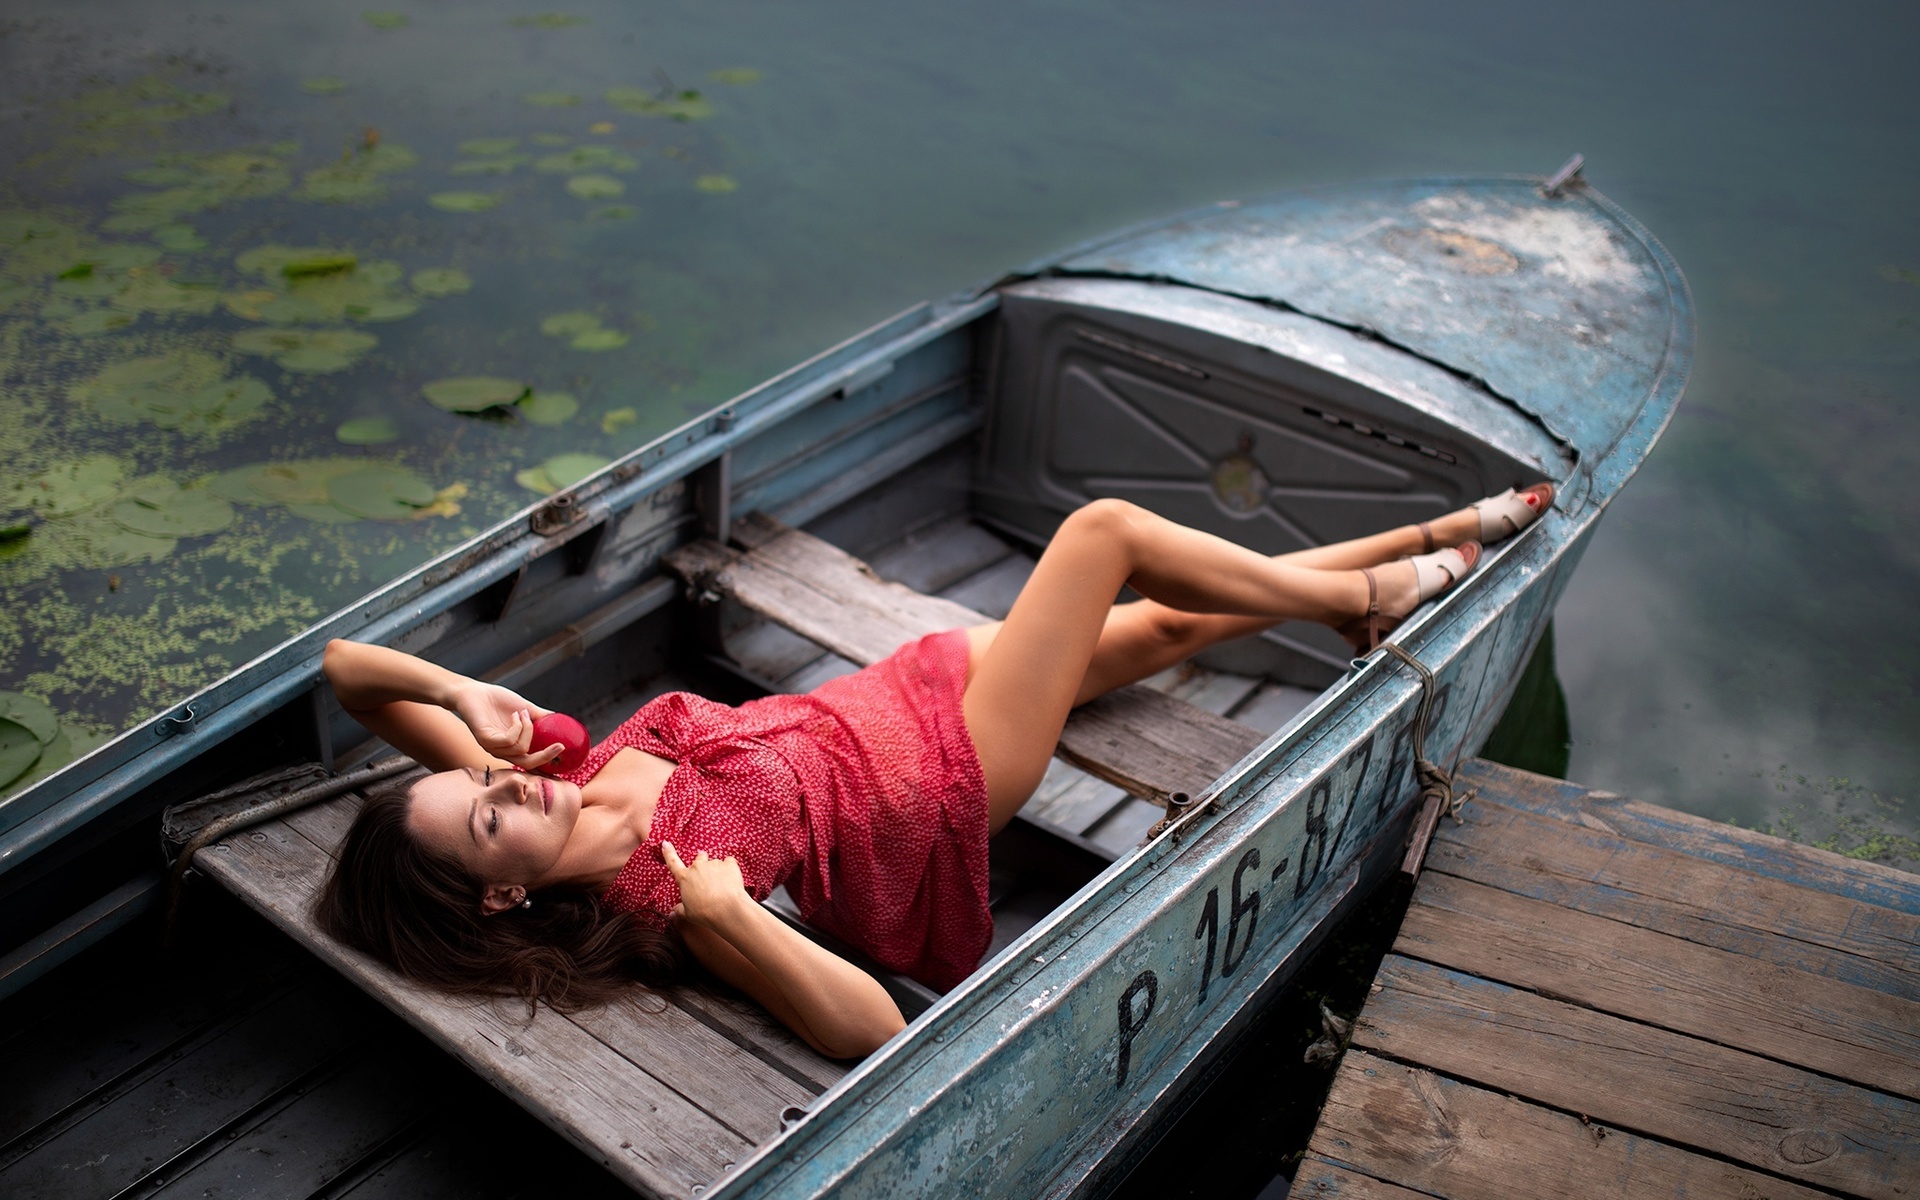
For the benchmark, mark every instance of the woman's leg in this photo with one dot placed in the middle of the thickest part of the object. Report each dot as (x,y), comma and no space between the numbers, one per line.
(1031,670)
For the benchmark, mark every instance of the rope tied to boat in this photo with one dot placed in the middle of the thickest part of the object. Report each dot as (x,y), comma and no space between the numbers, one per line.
(1436,782)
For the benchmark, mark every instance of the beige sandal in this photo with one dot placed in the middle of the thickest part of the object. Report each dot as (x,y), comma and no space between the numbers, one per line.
(1433,574)
(1508,513)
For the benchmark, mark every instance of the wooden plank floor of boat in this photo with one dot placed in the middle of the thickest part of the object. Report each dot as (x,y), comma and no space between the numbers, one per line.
(667,1093)
(1591,996)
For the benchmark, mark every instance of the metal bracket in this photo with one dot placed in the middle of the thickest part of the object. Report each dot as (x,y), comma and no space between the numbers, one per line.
(170,725)
(1567,176)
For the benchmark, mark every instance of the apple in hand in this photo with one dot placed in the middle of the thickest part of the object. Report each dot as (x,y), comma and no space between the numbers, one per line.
(572,736)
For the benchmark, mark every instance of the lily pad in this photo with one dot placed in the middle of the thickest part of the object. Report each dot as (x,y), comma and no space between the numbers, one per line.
(323,514)
(467,202)
(617,419)
(735,75)
(601,127)
(383,492)
(504,164)
(473,393)
(569,324)
(442,281)
(302,481)
(69,744)
(560,471)
(551,99)
(386,20)
(548,408)
(614,212)
(358,174)
(488,147)
(684,105)
(323,85)
(67,489)
(181,238)
(160,508)
(96,321)
(34,714)
(368,431)
(599,339)
(719,184)
(307,351)
(183,390)
(19,750)
(586,158)
(596,187)
(97,540)
(547,21)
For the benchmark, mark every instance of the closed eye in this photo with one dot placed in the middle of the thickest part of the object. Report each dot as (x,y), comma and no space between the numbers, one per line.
(493,822)
(487,780)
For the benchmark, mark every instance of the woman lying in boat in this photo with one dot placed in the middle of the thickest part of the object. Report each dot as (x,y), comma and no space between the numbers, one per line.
(871,798)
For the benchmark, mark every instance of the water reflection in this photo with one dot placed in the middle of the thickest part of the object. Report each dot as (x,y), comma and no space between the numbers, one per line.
(1745,610)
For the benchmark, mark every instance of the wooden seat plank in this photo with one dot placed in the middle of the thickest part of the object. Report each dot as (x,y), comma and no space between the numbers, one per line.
(1147,743)
(1440,1137)
(637,1126)
(752,1029)
(1675,893)
(1728,845)
(1822,1024)
(1667,1086)
(1323,1180)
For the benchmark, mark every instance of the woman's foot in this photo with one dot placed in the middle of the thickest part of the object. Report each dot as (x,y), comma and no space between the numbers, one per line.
(1487,521)
(1395,589)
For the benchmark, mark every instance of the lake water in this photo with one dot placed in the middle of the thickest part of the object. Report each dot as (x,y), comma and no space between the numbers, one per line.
(1738,643)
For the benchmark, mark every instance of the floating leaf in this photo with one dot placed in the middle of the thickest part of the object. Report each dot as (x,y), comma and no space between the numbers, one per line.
(19,750)
(67,489)
(473,393)
(548,408)
(386,20)
(311,264)
(547,21)
(324,514)
(383,492)
(614,212)
(599,339)
(441,281)
(586,158)
(35,715)
(301,482)
(368,431)
(505,164)
(487,147)
(551,99)
(97,321)
(467,202)
(716,183)
(323,85)
(309,351)
(569,324)
(69,744)
(618,419)
(561,471)
(686,105)
(600,127)
(357,176)
(161,509)
(735,75)
(596,187)
(181,238)
(182,390)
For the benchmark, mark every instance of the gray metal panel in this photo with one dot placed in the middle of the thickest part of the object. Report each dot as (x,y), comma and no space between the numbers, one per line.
(1271,429)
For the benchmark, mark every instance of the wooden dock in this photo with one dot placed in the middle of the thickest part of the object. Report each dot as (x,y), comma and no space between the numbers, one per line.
(1591,996)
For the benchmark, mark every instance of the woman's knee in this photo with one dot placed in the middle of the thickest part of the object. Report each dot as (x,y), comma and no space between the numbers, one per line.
(1106,518)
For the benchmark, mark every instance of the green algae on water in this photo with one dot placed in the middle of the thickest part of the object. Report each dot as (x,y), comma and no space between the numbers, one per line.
(307,351)
(441,281)
(735,75)
(595,187)
(551,20)
(465,202)
(473,393)
(323,85)
(368,431)
(717,184)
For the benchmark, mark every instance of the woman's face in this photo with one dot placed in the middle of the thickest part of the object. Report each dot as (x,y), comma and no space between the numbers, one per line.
(506,827)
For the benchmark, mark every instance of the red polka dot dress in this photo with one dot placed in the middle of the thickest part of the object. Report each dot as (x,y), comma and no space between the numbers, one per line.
(863,797)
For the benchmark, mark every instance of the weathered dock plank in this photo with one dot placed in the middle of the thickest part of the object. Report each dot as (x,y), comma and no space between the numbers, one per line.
(1439,1137)
(1788,1121)
(1590,996)
(1820,1024)
(1582,868)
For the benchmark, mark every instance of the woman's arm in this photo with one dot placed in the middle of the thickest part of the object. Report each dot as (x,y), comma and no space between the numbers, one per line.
(440,718)
(838,1009)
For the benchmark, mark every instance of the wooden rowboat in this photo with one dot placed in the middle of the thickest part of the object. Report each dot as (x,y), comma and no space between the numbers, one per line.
(1284,372)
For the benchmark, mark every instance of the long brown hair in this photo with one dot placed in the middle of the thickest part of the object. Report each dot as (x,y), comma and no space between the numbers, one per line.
(420,914)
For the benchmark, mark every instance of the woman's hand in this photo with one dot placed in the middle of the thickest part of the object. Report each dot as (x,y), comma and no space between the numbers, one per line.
(502,722)
(711,889)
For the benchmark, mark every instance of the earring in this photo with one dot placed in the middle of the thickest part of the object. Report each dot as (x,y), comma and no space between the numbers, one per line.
(526,902)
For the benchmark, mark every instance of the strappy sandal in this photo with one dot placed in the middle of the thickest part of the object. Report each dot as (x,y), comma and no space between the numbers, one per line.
(1433,574)
(1508,513)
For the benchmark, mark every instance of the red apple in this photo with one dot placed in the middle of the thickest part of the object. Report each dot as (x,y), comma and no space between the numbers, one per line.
(572,736)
